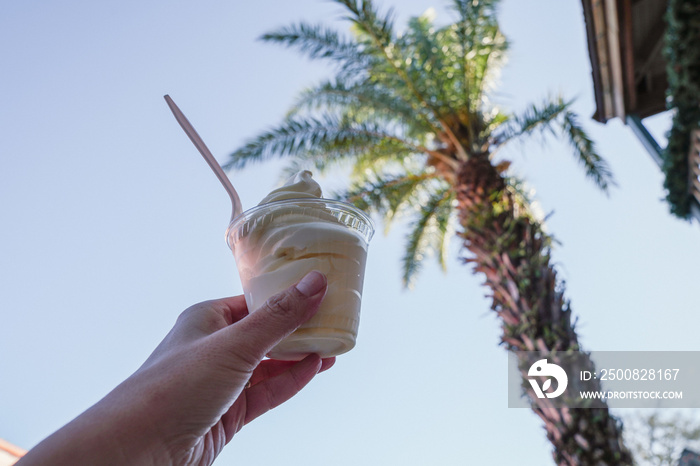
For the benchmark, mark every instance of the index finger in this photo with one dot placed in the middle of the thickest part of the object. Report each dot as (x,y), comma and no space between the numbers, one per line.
(233,308)
(270,368)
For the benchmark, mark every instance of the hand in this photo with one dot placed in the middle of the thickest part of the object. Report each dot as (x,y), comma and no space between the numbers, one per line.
(201,385)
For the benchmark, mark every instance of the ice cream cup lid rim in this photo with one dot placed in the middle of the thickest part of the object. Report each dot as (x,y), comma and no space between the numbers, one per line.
(343,204)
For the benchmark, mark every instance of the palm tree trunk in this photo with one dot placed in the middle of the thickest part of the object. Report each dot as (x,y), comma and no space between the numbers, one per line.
(507,244)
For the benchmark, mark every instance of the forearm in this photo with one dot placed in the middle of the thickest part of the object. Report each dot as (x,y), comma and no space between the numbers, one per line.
(200,385)
(108,433)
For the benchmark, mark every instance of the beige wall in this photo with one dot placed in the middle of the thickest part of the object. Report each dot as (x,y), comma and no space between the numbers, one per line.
(9,454)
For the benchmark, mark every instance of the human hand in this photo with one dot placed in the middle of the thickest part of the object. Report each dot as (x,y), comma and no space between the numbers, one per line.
(201,385)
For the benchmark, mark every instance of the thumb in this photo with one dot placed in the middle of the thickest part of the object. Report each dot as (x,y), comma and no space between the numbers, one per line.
(255,335)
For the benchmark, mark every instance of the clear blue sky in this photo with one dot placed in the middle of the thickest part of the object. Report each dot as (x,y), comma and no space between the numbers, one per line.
(112,224)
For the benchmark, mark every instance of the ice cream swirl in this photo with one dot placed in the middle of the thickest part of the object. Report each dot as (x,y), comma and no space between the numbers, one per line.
(301,185)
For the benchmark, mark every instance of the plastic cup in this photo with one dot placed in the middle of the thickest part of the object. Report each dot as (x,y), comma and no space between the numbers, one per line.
(276,244)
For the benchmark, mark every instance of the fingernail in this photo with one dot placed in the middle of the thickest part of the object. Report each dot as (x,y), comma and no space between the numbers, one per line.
(311,284)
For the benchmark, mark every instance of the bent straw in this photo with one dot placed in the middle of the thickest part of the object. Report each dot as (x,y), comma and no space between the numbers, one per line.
(236,207)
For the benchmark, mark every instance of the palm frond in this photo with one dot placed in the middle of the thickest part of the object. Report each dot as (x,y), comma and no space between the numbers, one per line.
(481,45)
(488,62)
(365,100)
(390,196)
(537,117)
(556,114)
(368,20)
(472,12)
(428,234)
(596,167)
(379,41)
(327,136)
(493,120)
(365,154)
(386,159)
(318,42)
(425,60)
(292,137)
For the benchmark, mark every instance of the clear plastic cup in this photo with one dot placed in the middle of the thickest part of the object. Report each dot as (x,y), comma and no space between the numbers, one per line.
(276,244)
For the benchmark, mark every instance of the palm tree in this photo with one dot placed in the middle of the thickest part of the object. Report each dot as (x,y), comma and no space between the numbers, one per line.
(411,113)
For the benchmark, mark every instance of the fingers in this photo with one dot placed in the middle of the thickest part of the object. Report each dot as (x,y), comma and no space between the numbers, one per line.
(209,316)
(274,391)
(234,308)
(270,368)
(327,363)
(272,383)
(254,336)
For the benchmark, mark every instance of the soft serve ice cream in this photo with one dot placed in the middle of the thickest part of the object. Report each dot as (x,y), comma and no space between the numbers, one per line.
(301,185)
(290,233)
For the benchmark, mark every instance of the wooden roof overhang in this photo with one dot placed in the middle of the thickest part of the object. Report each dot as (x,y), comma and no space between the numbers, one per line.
(625,41)
(625,44)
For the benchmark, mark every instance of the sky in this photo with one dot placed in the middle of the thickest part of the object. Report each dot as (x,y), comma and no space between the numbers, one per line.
(112,224)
